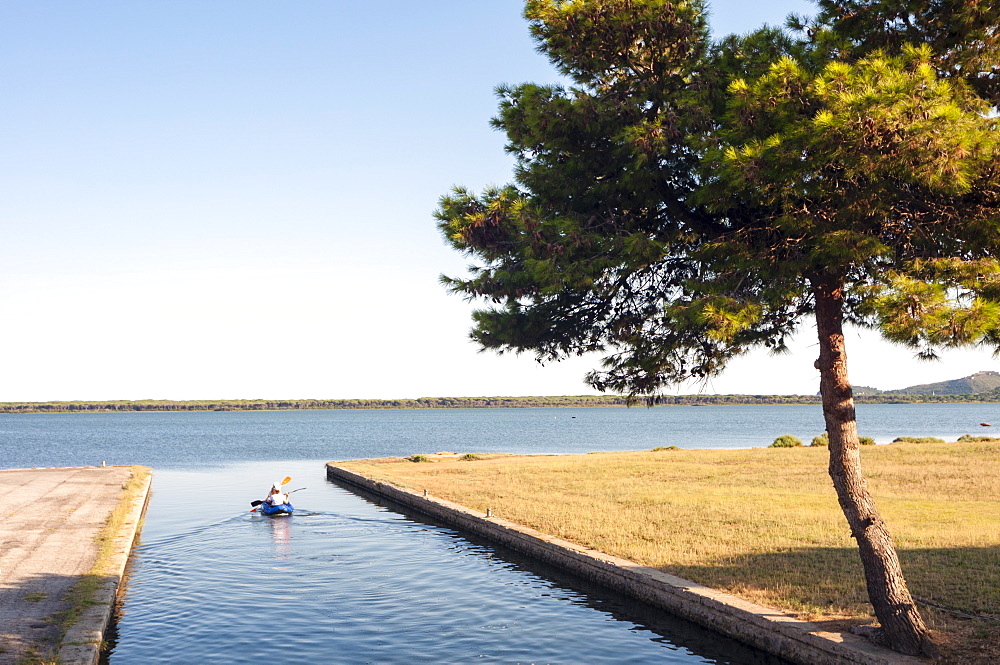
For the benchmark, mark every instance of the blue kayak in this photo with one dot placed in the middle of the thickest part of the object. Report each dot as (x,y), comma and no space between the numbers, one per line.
(275,511)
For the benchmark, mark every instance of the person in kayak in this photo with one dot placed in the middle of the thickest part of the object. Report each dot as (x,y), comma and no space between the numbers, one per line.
(276,496)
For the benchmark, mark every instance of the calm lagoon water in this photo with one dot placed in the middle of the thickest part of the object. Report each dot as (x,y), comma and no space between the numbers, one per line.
(348,581)
(192,440)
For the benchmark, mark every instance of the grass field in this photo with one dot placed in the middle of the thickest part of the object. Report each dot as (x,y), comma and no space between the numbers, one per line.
(763,524)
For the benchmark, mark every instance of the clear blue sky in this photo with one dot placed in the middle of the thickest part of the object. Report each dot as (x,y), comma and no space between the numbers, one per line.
(234,200)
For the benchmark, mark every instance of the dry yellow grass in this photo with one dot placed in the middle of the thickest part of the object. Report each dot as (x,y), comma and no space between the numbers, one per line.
(763,524)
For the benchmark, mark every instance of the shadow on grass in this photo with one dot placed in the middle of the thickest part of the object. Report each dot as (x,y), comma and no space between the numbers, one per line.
(965,579)
(957,590)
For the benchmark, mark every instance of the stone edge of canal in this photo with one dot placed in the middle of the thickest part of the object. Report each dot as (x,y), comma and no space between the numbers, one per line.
(764,628)
(81,645)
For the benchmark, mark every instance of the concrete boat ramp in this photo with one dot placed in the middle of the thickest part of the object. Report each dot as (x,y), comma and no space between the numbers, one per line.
(55,537)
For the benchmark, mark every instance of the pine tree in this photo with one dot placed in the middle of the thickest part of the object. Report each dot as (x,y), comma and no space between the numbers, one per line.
(684,201)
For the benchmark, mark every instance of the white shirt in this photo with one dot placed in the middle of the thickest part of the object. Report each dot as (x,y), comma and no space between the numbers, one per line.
(277,499)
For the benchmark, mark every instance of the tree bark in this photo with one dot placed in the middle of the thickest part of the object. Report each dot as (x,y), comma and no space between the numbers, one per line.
(903,628)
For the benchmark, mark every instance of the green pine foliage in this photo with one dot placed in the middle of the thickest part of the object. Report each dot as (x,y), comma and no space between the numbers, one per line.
(962,36)
(683,201)
(662,211)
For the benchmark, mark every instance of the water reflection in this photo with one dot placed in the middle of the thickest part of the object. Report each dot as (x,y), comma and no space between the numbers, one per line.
(281,534)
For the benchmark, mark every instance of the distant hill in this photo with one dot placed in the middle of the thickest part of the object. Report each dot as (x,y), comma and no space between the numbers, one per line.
(980,382)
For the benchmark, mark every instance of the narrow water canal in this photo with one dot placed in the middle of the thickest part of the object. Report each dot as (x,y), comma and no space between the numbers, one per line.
(348,581)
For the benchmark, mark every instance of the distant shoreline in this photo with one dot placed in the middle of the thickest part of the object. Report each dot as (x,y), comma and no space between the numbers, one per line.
(126,406)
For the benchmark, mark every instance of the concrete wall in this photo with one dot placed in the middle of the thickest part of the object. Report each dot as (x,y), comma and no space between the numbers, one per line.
(83,641)
(764,628)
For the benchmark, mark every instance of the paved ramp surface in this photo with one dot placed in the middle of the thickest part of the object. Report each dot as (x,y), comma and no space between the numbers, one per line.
(47,531)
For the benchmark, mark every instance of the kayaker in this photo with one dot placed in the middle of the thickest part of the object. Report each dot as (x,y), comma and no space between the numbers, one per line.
(277,497)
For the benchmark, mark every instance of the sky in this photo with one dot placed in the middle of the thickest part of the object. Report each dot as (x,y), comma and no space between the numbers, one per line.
(234,200)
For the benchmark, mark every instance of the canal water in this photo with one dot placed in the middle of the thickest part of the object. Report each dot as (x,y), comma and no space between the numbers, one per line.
(347,581)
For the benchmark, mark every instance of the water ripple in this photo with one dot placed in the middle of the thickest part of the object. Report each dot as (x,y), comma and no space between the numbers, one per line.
(343,581)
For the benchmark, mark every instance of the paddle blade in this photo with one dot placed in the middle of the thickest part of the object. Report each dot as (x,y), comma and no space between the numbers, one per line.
(256,503)
(287,480)
(253,510)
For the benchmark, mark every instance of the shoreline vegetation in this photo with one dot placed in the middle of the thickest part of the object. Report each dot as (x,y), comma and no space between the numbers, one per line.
(468,402)
(763,524)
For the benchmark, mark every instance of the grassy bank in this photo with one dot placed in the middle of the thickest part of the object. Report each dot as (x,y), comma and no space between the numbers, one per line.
(763,524)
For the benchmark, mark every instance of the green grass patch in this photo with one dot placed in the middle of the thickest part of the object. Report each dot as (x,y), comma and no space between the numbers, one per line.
(821,441)
(786,441)
(34,657)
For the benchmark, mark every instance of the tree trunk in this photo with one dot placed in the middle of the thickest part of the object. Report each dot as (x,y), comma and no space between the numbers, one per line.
(902,627)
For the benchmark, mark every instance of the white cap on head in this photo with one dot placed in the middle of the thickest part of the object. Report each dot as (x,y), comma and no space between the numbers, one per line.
(276,485)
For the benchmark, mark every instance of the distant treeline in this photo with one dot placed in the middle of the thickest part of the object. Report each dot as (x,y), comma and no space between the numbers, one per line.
(464,402)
